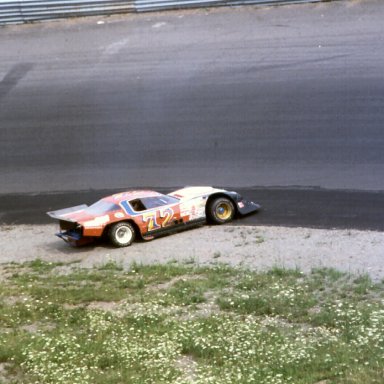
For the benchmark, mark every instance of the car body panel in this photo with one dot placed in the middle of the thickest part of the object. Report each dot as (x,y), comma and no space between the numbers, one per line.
(194,192)
(151,212)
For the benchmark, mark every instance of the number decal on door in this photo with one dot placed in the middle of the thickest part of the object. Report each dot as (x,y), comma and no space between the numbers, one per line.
(166,215)
(150,219)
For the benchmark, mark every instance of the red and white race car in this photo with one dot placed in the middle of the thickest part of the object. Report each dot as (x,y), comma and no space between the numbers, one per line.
(124,216)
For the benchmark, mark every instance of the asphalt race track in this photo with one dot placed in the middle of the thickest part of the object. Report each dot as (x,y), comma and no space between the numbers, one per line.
(285,104)
(317,208)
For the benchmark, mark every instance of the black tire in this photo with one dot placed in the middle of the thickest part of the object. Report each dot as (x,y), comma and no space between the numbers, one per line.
(121,234)
(220,210)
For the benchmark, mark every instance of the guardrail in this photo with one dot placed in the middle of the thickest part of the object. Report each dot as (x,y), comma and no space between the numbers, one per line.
(34,10)
(156,5)
(24,11)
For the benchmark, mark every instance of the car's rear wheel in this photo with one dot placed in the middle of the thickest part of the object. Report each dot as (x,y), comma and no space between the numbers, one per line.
(221,210)
(121,234)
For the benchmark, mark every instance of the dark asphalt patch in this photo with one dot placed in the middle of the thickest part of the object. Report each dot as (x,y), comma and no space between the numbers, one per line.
(12,78)
(316,208)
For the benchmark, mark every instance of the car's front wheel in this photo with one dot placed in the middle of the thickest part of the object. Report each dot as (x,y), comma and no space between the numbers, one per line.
(221,210)
(121,234)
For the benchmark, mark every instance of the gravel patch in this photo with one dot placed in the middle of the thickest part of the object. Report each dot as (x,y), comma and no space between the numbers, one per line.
(254,247)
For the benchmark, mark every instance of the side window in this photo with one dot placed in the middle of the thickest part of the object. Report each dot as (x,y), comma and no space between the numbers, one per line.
(158,201)
(137,205)
(151,202)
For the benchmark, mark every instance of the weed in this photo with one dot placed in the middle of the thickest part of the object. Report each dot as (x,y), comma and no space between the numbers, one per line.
(275,327)
(363,284)
(111,266)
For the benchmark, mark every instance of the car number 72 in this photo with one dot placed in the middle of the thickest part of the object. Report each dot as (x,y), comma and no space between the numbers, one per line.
(165,215)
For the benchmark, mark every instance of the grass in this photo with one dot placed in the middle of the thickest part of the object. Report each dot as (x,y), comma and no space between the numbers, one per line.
(187,324)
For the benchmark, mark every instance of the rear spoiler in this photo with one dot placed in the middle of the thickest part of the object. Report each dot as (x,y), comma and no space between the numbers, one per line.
(62,213)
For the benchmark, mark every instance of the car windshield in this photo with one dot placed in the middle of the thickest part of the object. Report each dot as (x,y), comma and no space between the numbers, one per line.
(100,207)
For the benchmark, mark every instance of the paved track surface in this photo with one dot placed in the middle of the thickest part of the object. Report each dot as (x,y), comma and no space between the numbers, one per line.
(317,208)
(267,96)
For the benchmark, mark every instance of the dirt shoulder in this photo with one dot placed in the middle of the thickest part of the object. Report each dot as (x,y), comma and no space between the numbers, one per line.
(253,247)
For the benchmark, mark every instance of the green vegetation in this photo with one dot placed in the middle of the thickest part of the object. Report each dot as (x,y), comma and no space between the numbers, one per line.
(187,324)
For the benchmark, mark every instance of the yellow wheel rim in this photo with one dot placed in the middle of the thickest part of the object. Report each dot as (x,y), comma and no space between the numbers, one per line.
(223,211)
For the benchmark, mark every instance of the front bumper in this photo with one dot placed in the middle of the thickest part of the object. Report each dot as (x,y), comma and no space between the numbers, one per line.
(245,207)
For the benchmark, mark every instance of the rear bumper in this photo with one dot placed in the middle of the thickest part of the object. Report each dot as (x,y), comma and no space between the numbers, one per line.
(74,238)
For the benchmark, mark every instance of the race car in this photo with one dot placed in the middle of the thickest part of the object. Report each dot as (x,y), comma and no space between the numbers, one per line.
(124,216)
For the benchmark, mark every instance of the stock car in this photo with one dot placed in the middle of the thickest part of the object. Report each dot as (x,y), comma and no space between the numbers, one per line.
(124,216)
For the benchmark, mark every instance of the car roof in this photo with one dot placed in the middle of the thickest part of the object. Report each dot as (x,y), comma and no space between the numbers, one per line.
(131,195)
